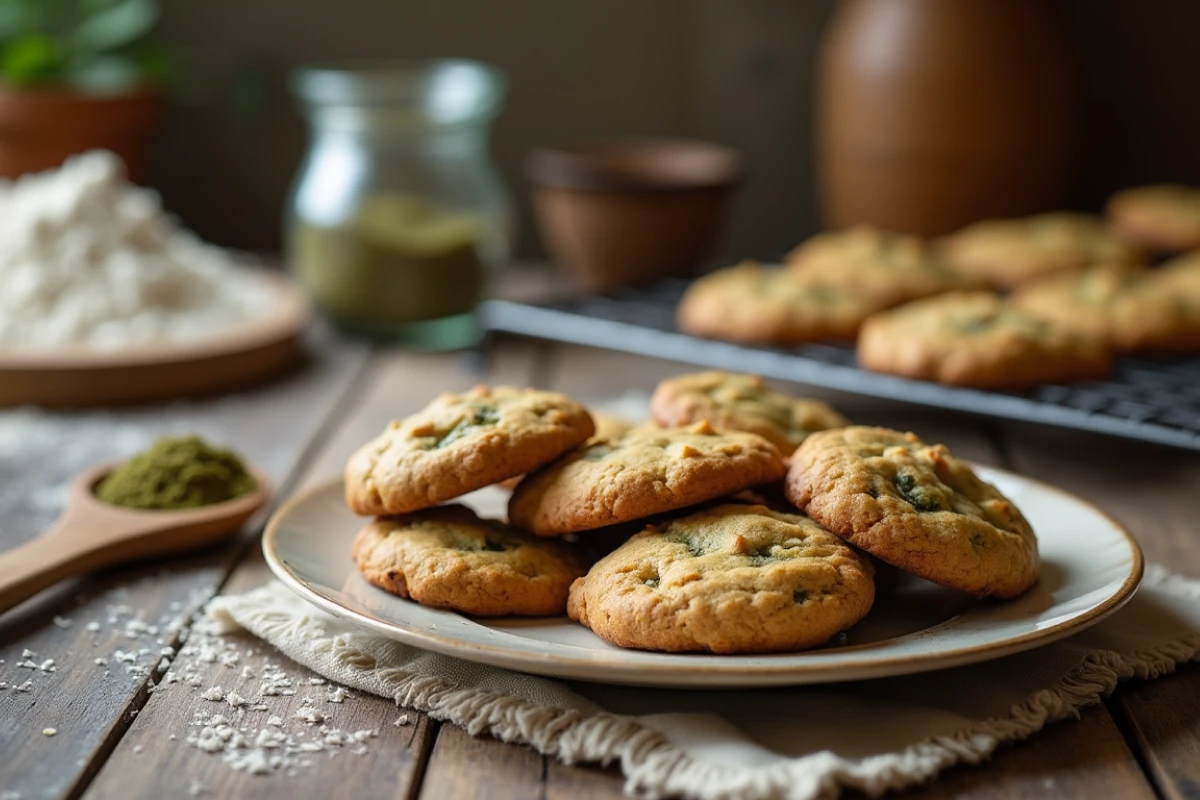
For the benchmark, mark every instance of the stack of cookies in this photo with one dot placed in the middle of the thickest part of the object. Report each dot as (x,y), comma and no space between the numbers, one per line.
(1002,304)
(739,521)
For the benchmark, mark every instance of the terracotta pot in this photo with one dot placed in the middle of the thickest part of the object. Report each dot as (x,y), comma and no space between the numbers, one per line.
(629,211)
(935,113)
(39,128)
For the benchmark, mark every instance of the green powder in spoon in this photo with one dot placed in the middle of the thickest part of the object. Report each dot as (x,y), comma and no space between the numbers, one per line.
(177,472)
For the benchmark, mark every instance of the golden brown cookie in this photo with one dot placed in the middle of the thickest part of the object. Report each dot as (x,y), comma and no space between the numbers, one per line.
(891,268)
(771,305)
(915,506)
(730,579)
(447,557)
(462,442)
(608,426)
(735,402)
(1163,218)
(1083,301)
(1161,314)
(1009,252)
(644,473)
(977,339)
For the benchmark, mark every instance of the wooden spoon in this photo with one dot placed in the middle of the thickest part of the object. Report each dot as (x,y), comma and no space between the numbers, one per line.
(92,534)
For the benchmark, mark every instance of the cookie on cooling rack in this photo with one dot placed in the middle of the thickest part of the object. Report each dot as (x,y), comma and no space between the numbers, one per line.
(891,268)
(755,304)
(1163,218)
(736,402)
(1008,252)
(977,339)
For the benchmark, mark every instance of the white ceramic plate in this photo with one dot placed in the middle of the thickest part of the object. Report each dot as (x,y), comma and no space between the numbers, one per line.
(1091,567)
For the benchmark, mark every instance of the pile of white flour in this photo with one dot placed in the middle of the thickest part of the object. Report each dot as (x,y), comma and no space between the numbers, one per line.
(88,258)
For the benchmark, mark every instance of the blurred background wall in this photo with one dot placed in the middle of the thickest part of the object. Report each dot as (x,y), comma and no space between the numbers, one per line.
(737,72)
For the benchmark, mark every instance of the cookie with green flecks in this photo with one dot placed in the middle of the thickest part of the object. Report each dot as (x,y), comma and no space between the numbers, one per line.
(891,268)
(1086,301)
(729,579)
(646,472)
(915,506)
(730,401)
(447,557)
(774,305)
(978,339)
(462,442)
(1009,252)
(1162,313)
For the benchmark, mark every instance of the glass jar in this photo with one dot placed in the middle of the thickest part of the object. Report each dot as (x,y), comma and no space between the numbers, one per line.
(398,217)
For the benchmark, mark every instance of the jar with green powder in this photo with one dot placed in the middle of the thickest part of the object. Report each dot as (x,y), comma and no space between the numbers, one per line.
(398,218)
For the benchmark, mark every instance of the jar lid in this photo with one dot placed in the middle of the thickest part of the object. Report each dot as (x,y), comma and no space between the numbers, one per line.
(443,91)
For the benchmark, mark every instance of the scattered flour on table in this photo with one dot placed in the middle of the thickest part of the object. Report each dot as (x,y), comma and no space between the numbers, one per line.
(248,710)
(255,734)
(88,258)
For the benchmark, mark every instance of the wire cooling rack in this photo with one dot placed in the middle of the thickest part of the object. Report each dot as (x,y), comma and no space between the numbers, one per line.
(1147,399)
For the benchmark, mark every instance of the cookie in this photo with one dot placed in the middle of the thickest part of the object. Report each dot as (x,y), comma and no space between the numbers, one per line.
(646,472)
(729,579)
(462,442)
(741,403)
(1162,313)
(977,339)
(1084,301)
(1163,218)
(915,506)
(891,268)
(1008,252)
(754,304)
(447,557)
(609,426)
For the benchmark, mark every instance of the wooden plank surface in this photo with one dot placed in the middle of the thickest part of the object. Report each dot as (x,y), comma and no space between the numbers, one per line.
(1086,758)
(1163,717)
(135,612)
(480,768)
(563,782)
(388,762)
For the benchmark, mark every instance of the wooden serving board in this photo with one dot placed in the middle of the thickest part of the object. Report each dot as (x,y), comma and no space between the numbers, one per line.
(80,376)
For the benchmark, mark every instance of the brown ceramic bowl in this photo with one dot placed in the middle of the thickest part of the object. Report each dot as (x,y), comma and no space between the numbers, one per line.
(627,211)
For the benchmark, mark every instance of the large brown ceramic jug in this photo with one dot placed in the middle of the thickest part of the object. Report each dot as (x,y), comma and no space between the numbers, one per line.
(935,113)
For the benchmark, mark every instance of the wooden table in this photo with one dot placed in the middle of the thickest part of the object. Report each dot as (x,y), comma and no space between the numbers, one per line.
(116,738)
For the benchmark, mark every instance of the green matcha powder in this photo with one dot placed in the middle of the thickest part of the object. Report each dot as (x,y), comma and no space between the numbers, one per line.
(177,472)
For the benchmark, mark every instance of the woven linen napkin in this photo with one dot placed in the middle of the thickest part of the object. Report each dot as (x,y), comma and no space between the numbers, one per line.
(797,743)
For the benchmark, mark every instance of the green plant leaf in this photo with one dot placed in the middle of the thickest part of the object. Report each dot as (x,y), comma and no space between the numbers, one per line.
(30,59)
(105,74)
(115,26)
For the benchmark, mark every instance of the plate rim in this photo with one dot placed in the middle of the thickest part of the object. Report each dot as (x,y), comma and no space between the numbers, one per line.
(717,673)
